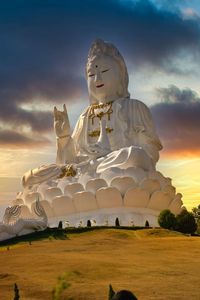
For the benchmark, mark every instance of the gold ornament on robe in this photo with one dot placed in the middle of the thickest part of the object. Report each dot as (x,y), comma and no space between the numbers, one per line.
(94,111)
(96,132)
(68,171)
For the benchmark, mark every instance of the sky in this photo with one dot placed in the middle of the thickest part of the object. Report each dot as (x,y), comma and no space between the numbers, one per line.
(43,52)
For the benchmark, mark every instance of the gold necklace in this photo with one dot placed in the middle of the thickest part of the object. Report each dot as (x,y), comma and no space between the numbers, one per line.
(100,114)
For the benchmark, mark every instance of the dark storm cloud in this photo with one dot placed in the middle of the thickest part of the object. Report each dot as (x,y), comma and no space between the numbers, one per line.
(38,121)
(44,47)
(12,139)
(177,119)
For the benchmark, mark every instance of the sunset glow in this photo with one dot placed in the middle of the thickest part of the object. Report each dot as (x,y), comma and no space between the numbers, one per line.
(43,64)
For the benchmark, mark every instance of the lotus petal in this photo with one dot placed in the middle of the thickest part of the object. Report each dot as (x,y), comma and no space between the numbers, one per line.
(72,188)
(150,185)
(176,204)
(108,197)
(84,201)
(95,184)
(63,205)
(52,192)
(123,184)
(136,197)
(159,201)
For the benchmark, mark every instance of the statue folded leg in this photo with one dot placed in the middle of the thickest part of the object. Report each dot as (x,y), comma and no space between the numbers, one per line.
(124,158)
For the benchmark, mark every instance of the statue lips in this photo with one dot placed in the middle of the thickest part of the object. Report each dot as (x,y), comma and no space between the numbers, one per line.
(100,85)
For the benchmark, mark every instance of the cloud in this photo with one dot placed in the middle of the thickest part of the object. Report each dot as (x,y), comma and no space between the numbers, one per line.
(13,139)
(45,45)
(177,119)
(173,94)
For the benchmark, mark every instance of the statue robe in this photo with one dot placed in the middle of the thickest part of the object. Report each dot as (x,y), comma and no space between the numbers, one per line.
(130,126)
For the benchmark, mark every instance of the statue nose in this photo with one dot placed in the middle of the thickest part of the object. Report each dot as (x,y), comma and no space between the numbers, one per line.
(98,77)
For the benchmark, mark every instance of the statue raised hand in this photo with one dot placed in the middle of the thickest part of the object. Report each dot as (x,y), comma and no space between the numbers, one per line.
(61,122)
(65,146)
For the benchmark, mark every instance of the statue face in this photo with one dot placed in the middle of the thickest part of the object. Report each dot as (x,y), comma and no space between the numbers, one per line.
(103,75)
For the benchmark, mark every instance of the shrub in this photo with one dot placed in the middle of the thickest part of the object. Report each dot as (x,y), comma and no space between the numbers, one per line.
(117,222)
(146,223)
(61,285)
(167,219)
(89,223)
(186,222)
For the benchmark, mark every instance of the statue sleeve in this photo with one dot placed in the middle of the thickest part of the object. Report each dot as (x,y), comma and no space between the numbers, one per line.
(143,126)
(65,150)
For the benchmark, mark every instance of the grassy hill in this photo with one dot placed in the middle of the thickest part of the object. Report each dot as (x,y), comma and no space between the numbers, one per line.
(153,263)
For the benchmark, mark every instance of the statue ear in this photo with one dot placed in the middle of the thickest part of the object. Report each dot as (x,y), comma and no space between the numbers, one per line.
(111,292)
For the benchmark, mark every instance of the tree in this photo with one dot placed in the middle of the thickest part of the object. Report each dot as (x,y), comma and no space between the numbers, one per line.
(196,214)
(16,291)
(60,225)
(117,224)
(89,223)
(147,223)
(186,222)
(167,219)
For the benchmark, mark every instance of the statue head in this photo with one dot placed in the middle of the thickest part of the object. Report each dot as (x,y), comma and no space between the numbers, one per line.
(106,73)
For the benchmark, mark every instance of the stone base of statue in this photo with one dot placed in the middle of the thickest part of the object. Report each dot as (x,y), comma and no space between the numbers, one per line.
(132,195)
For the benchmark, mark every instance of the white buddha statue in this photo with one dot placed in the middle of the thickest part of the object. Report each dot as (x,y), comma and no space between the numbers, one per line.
(114,131)
(106,167)
(113,127)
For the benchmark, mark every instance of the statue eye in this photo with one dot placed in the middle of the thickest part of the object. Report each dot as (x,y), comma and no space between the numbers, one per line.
(105,71)
(91,75)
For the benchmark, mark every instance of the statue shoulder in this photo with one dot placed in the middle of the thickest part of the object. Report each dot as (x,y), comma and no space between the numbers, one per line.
(133,102)
(138,103)
(134,106)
